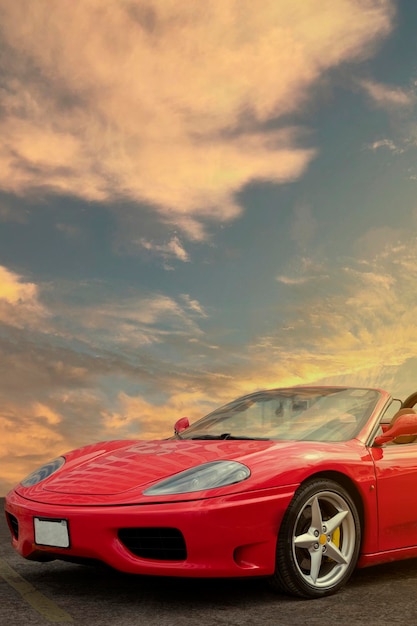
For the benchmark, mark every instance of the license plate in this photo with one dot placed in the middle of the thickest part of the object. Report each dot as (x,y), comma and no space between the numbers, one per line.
(51,532)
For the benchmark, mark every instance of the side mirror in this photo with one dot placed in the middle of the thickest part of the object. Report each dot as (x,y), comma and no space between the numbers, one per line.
(404,426)
(180,425)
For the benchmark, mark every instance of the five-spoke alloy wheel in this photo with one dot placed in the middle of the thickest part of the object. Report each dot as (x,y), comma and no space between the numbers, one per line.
(319,540)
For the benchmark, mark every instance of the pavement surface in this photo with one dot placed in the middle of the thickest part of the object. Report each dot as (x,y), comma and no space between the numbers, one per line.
(37,594)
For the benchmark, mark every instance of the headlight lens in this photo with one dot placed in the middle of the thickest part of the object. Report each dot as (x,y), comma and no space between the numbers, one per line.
(205,476)
(43,472)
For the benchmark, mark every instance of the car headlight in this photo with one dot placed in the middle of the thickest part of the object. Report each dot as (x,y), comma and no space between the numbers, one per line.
(43,472)
(205,476)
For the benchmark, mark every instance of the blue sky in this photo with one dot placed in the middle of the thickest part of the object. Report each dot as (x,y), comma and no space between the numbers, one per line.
(196,202)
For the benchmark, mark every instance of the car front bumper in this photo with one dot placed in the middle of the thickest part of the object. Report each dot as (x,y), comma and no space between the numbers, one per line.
(229,536)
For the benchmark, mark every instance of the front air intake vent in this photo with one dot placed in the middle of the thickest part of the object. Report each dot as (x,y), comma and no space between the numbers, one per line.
(161,544)
(14,525)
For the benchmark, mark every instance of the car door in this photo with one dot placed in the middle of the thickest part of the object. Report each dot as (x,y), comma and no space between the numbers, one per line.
(396,478)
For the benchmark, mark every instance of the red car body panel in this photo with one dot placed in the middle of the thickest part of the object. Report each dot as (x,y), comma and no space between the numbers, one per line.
(229,538)
(235,549)
(230,530)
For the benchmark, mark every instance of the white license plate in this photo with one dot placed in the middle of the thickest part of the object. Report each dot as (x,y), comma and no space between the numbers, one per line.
(51,532)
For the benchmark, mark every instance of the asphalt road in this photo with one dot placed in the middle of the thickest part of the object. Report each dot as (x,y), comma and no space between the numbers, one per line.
(46,593)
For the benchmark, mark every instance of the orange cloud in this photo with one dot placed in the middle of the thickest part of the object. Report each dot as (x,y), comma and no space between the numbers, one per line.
(165,103)
(360,328)
(28,439)
(141,419)
(19,301)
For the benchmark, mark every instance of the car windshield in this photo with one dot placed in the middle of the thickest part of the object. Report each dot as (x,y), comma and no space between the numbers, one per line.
(301,414)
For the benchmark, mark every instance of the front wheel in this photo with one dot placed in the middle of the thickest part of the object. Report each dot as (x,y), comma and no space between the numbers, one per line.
(319,541)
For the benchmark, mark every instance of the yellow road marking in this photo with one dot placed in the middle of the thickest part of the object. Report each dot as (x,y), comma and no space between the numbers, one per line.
(35,598)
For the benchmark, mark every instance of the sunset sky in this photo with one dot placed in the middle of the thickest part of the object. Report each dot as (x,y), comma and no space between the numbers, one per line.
(198,200)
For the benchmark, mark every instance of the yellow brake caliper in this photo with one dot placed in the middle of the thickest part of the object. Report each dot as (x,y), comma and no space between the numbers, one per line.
(336,537)
(335,540)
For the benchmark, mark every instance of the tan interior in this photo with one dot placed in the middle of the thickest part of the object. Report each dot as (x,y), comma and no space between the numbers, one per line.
(403,438)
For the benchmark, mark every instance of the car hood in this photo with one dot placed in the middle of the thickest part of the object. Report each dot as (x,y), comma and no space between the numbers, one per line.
(142,463)
(118,472)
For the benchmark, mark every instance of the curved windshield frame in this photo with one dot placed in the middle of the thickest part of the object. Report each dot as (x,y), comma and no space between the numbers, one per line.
(298,413)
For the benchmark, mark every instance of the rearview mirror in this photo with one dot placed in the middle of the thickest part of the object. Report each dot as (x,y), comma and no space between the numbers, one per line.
(404,426)
(180,425)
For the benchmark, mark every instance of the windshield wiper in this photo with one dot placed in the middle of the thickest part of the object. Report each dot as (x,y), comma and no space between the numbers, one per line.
(228,436)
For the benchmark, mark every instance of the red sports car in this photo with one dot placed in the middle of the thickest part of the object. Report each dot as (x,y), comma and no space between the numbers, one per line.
(298,484)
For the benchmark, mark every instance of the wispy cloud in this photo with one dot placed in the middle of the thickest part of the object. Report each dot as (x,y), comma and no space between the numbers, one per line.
(304,269)
(386,143)
(134,321)
(294,280)
(69,230)
(171,250)
(363,323)
(389,97)
(400,104)
(20,305)
(193,305)
(77,118)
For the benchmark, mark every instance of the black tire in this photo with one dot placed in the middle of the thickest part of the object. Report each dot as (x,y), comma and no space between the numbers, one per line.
(319,541)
